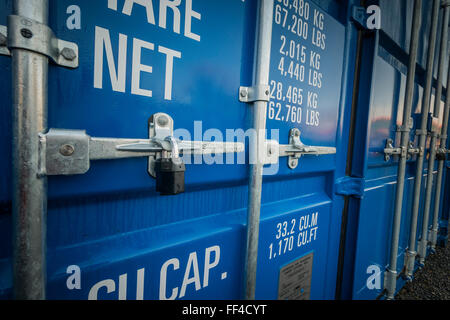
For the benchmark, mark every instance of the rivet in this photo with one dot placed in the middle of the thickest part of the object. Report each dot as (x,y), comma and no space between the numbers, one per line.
(162,120)
(66,150)
(26,33)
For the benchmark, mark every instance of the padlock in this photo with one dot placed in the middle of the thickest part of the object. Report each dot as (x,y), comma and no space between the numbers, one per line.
(170,171)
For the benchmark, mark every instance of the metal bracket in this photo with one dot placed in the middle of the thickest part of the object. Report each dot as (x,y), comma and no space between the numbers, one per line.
(404,152)
(295,149)
(390,280)
(24,33)
(407,127)
(256,93)
(69,152)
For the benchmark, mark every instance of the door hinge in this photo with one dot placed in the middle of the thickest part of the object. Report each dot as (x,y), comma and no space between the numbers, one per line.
(24,33)
(350,186)
(256,93)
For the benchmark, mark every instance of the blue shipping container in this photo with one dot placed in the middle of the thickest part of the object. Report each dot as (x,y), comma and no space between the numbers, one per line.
(326,218)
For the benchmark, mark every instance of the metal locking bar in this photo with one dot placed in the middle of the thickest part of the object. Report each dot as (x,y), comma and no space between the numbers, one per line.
(25,33)
(69,152)
(295,149)
(406,152)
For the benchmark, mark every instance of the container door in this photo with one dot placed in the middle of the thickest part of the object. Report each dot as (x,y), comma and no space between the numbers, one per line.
(301,215)
(381,95)
(110,235)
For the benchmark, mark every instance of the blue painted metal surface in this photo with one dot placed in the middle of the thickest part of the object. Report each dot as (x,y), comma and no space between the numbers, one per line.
(131,243)
(128,241)
(382,91)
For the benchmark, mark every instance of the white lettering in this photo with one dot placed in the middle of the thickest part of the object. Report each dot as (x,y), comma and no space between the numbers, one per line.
(74,280)
(163,279)
(192,263)
(170,54)
(74,20)
(208,264)
(128,7)
(108,283)
(103,41)
(374,280)
(164,4)
(374,21)
(188,21)
(137,67)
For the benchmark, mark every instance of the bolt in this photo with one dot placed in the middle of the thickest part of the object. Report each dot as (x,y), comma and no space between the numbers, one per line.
(267,92)
(66,150)
(293,163)
(26,33)
(162,121)
(243,93)
(68,54)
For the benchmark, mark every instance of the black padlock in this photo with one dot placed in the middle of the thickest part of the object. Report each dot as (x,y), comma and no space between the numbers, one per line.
(169,176)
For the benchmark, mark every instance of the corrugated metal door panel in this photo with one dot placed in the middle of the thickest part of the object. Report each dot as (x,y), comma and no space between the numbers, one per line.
(128,241)
(373,222)
(300,228)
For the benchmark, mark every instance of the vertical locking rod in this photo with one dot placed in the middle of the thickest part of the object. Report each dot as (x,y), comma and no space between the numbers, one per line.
(29,95)
(260,77)
(422,133)
(422,247)
(440,172)
(391,273)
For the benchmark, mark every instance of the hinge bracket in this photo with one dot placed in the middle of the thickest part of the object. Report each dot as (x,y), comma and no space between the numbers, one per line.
(24,33)
(256,93)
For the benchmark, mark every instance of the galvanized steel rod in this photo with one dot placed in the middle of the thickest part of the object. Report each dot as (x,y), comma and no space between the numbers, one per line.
(392,268)
(422,247)
(29,83)
(260,77)
(422,133)
(440,172)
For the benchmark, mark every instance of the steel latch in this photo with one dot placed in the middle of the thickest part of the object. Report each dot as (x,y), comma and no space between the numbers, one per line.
(69,152)
(404,152)
(294,150)
(24,33)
